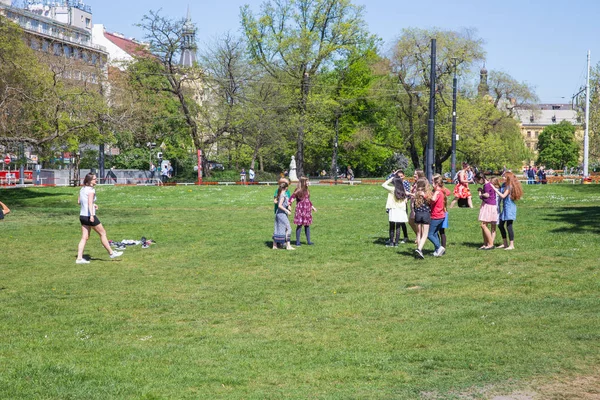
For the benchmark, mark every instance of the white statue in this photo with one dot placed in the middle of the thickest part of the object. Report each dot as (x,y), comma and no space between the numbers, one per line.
(292,173)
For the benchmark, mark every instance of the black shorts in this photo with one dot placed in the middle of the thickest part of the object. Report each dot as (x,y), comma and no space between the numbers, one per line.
(422,218)
(86,221)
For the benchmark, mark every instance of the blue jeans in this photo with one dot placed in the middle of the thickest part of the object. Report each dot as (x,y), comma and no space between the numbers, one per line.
(434,228)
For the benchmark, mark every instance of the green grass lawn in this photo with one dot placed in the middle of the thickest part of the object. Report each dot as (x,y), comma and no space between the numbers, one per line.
(211,311)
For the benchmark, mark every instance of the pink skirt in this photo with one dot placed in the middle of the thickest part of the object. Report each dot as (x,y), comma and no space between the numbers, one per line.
(488,213)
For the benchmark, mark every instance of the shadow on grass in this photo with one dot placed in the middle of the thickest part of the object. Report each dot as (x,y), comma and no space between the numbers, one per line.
(17,197)
(576,219)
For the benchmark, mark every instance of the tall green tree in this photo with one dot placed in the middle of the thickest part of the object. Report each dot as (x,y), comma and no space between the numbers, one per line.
(293,39)
(557,146)
(594,123)
(410,65)
(160,72)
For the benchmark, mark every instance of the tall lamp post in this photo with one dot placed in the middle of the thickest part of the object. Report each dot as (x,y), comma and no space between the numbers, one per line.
(430,152)
(454,88)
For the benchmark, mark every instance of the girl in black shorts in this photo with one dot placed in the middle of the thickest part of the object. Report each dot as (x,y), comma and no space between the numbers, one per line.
(422,214)
(89,221)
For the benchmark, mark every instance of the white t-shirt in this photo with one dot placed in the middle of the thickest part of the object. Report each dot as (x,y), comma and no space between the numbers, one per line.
(83,200)
(251,174)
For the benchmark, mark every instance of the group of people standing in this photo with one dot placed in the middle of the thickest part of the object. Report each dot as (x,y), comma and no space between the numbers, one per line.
(532,172)
(282,200)
(429,208)
(428,216)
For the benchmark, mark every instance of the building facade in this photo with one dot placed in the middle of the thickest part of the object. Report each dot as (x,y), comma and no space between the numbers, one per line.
(533,121)
(62,31)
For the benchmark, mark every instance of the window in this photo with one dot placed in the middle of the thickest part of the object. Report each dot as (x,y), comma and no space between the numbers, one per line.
(67,51)
(554,118)
(56,49)
(76,53)
(531,118)
(88,22)
(45,45)
(529,134)
(556,107)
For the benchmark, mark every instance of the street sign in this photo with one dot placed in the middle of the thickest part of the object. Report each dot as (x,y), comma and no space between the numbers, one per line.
(7,160)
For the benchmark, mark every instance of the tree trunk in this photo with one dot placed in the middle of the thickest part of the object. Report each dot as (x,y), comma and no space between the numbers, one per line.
(304,88)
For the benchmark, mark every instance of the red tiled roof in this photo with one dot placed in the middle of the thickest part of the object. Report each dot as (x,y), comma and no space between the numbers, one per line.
(129,46)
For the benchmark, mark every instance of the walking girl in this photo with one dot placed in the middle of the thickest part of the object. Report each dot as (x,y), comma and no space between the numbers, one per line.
(438,214)
(282,230)
(89,220)
(510,192)
(488,213)
(422,213)
(396,206)
(304,209)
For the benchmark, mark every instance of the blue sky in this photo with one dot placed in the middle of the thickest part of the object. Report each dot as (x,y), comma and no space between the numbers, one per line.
(543,43)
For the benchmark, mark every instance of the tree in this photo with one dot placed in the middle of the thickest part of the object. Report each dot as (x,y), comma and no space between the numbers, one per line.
(293,40)
(410,67)
(557,146)
(41,107)
(594,123)
(160,72)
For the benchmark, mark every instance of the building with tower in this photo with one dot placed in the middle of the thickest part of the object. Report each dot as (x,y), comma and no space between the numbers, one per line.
(483,88)
(188,42)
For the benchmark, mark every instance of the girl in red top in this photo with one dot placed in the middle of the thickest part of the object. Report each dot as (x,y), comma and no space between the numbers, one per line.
(438,213)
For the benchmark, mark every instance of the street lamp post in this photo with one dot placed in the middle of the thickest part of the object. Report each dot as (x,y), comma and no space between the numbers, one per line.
(454,89)
(430,153)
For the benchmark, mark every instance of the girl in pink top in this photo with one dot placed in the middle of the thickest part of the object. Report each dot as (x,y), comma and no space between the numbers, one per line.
(438,213)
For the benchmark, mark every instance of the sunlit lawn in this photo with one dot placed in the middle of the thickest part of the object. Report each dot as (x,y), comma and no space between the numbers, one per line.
(211,311)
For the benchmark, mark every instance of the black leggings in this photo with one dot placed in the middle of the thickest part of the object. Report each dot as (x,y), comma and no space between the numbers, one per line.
(395,231)
(509,228)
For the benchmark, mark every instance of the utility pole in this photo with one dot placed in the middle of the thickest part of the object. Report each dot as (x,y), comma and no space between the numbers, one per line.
(586,137)
(335,146)
(454,88)
(430,151)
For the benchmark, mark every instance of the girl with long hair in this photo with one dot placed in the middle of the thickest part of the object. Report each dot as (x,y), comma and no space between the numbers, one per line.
(282,230)
(422,213)
(509,192)
(488,213)
(419,174)
(89,220)
(396,206)
(304,209)
(439,204)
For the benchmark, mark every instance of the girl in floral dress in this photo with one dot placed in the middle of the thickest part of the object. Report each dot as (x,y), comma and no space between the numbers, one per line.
(304,209)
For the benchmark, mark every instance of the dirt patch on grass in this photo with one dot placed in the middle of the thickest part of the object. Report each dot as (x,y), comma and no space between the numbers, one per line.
(578,388)
(561,388)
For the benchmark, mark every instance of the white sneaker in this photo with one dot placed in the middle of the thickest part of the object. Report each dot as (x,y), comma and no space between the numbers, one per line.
(82,261)
(116,254)
(440,252)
